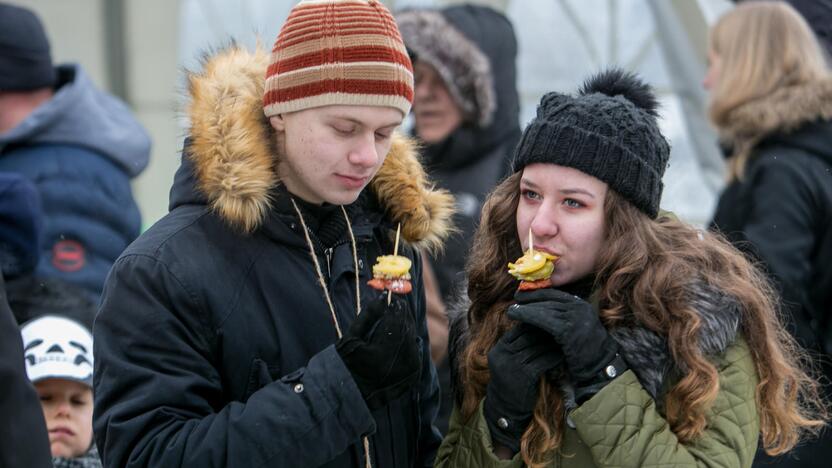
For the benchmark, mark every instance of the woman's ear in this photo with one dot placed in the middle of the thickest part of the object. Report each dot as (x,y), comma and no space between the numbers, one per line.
(278,122)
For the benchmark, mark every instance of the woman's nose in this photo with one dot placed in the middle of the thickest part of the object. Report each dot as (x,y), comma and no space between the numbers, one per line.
(544,225)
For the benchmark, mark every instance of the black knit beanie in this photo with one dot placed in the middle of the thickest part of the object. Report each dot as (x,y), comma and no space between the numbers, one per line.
(25,59)
(609,131)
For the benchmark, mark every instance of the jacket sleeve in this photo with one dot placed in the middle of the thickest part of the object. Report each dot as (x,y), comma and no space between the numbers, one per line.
(23,438)
(159,399)
(429,436)
(469,445)
(623,428)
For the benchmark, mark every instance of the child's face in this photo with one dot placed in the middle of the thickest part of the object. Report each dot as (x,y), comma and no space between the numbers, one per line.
(67,407)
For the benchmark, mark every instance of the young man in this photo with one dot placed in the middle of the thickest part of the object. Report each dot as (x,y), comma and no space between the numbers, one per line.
(239,330)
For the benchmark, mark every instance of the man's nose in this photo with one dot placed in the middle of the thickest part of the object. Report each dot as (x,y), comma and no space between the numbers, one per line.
(364,153)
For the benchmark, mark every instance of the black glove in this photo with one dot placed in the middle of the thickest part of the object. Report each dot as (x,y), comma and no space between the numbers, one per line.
(591,353)
(517,362)
(381,351)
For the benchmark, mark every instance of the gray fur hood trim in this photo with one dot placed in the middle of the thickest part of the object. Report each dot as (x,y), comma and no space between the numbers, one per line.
(646,352)
(464,68)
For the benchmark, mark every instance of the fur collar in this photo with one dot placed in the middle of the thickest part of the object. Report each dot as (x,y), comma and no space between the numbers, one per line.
(233,150)
(780,112)
(646,352)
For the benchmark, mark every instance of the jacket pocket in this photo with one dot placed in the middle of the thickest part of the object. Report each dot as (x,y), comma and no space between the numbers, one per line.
(260,374)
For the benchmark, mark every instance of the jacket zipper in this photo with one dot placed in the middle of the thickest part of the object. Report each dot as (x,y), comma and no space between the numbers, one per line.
(328,254)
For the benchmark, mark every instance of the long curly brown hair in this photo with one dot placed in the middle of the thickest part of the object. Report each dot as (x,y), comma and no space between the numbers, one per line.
(644,275)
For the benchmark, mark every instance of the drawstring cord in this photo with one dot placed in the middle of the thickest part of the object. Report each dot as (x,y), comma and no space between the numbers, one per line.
(322,282)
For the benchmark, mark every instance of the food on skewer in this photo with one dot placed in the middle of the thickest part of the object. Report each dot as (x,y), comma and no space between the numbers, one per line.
(533,269)
(392,273)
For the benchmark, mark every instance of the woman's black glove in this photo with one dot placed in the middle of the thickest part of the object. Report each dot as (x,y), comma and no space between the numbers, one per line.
(517,362)
(591,353)
(381,351)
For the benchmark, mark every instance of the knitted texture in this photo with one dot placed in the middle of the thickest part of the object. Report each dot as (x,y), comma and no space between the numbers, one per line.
(609,131)
(345,52)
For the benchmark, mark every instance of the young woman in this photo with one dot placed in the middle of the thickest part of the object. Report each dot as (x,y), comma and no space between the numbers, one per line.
(658,344)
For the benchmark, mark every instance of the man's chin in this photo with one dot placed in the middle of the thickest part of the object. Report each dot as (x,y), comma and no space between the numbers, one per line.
(343,197)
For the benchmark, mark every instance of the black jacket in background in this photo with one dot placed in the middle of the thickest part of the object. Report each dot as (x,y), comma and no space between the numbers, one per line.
(780,213)
(24,442)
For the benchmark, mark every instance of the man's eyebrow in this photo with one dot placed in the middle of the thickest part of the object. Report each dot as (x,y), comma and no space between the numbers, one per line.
(360,123)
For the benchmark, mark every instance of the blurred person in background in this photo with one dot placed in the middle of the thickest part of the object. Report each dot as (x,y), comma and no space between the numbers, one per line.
(56,326)
(78,144)
(465,111)
(23,438)
(771,102)
(240,329)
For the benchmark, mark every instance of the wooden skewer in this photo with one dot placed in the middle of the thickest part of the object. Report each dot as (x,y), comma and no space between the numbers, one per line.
(531,242)
(396,252)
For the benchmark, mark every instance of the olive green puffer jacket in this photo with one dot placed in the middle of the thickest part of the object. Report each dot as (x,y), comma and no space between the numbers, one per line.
(623,425)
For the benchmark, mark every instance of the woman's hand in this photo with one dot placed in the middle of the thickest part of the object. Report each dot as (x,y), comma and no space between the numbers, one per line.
(517,362)
(591,354)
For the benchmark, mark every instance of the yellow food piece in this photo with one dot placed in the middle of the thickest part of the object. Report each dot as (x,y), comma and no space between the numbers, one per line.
(391,266)
(532,266)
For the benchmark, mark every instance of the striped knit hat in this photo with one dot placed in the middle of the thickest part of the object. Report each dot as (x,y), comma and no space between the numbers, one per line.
(338,52)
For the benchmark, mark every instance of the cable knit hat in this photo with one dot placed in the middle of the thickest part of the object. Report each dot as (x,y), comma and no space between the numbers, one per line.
(338,52)
(25,59)
(608,131)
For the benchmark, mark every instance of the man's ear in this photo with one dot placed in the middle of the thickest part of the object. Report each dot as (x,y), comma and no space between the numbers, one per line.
(278,122)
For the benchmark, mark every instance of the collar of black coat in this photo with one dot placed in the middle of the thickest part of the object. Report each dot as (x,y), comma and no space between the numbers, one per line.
(645,351)
(781,112)
(232,149)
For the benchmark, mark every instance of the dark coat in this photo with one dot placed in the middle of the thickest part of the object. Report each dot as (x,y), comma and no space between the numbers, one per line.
(780,213)
(81,149)
(23,439)
(214,343)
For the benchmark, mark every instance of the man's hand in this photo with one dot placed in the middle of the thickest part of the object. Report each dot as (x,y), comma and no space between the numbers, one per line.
(381,351)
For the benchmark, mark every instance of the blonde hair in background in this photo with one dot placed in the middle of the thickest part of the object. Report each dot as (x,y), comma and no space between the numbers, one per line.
(762,46)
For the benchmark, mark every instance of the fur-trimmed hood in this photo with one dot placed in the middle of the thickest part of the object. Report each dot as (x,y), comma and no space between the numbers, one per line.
(645,351)
(232,151)
(474,50)
(779,113)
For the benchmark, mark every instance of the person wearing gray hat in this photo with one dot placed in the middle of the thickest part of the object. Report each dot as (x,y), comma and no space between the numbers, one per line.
(79,145)
(633,338)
